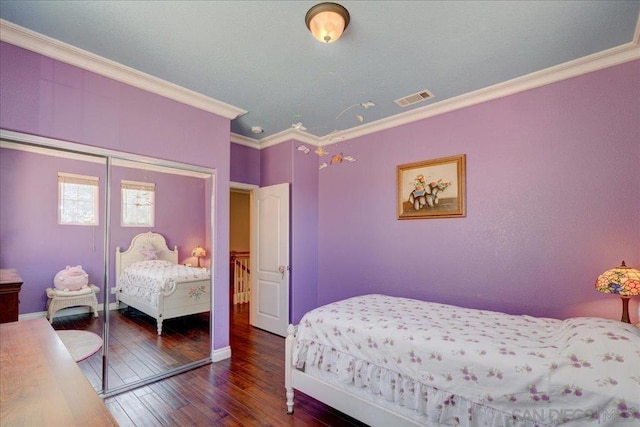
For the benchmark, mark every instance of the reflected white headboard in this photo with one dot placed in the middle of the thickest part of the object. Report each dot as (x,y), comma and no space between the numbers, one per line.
(138,244)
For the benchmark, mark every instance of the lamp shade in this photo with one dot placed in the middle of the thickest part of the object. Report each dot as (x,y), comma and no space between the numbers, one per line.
(622,280)
(198,252)
(327,21)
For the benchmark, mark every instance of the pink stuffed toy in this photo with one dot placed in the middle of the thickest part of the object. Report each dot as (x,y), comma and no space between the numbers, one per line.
(71,279)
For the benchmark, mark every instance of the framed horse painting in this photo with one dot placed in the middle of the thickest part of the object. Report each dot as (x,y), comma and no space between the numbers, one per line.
(432,188)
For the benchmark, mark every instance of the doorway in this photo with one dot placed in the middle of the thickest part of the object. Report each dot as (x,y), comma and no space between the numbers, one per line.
(240,250)
(267,284)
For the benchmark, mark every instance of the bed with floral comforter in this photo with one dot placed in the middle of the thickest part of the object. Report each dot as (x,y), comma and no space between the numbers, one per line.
(150,280)
(446,365)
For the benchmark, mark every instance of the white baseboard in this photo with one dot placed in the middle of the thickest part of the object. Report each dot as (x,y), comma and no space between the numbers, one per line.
(36,315)
(71,311)
(221,354)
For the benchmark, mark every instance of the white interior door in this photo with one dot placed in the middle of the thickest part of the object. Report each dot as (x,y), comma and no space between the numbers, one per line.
(270,265)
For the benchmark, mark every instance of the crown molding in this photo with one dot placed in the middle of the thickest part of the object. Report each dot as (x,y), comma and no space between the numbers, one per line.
(245,140)
(597,61)
(275,139)
(288,135)
(55,49)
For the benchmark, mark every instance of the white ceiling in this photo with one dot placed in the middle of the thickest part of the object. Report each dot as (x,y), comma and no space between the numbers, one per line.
(259,56)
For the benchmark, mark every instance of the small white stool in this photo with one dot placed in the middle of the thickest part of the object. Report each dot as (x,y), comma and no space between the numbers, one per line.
(62,299)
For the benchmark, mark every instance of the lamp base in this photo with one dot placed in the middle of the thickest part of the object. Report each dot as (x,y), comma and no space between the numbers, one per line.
(625,310)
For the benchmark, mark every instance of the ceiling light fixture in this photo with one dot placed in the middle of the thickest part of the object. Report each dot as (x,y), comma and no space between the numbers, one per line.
(327,21)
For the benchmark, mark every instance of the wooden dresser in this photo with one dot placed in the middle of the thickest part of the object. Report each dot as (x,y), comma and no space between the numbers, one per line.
(41,384)
(10,283)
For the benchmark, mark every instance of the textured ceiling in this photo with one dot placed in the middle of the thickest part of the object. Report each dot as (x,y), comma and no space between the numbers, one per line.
(260,57)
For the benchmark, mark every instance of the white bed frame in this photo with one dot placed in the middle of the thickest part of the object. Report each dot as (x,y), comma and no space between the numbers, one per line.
(173,302)
(355,406)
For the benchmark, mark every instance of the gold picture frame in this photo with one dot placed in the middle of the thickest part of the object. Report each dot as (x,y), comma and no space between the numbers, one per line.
(432,188)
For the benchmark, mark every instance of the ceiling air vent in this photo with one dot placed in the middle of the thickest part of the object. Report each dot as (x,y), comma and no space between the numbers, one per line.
(413,98)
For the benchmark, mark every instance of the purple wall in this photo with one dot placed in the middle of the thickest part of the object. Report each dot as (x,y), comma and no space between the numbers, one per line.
(245,164)
(304,234)
(32,240)
(45,97)
(283,163)
(552,190)
(276,164)
(553,200)
(38,247)
(179,215)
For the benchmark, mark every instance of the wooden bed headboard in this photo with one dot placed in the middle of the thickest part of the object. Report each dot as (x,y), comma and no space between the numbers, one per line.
(138,243)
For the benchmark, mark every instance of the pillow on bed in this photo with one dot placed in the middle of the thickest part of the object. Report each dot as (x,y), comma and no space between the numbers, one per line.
(150,252)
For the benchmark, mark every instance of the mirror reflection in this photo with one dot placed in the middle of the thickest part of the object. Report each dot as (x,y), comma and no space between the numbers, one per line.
(53,232)
(161,279)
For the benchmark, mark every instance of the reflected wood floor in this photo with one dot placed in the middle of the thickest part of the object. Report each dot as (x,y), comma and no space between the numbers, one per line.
(135,350)
(246,390)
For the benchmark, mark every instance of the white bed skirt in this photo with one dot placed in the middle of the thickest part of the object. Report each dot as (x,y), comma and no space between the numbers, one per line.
(381,397)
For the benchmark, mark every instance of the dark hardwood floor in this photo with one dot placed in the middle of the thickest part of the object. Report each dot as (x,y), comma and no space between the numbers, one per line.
(135,350)
(246,390)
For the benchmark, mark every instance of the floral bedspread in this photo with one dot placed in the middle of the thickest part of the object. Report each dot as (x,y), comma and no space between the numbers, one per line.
(457,366)
(146,279)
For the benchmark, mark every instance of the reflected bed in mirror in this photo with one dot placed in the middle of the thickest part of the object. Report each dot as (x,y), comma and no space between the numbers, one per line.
(150,279)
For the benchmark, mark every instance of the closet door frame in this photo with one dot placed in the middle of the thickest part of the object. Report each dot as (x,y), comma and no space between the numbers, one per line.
(110,156)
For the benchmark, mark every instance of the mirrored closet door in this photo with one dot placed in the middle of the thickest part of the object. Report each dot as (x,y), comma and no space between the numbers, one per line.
(53,233)
(161,276)
(163,209)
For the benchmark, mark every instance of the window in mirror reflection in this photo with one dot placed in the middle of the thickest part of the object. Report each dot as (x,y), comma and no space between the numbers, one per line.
(77,199)
(138,204)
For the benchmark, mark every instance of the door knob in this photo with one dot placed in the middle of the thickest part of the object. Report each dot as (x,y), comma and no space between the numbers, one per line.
(283,268)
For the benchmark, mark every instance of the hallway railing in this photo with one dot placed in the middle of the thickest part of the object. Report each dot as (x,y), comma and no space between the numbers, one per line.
(240,277)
